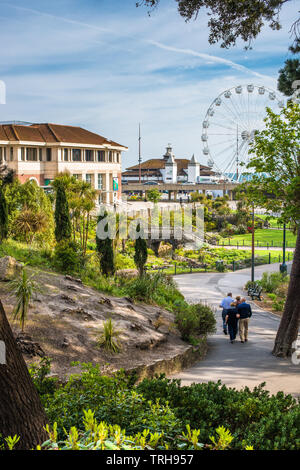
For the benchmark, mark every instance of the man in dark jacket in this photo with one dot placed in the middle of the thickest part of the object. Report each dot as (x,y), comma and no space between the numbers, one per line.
(245,312)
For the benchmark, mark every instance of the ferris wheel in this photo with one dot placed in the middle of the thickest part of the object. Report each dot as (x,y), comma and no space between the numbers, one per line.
(230,124)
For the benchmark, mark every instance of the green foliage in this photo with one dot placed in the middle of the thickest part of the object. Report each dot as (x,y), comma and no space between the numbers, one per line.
(3,216)
(140,254)
(105,249)
(39,374)
(62,215)
(271,281)
(68,256)
(155,288)
(275,184)
(232,20)
(30,197)
(287,75)
(153,195)
(183,417)
(196,319)
(23,288)
(108,338)
(254,417)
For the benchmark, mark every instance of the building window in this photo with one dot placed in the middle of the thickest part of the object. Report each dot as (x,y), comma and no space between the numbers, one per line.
(66,155)
(76,176)
(118,157)
(89,157)
(31,154)
(76,155)
(22,154)
(11,154)
(88,179)
(1,154)
(101,156)
(100,181)
(48,155)
(41,155)
(110,157)
(100,199)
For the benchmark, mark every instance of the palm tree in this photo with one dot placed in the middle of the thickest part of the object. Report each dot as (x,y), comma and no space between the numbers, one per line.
(23,287)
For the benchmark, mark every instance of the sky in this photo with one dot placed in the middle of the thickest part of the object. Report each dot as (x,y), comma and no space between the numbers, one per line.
(107,66)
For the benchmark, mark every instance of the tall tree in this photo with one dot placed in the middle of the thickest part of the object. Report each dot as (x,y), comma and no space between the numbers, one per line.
(21,411)
(105,248)
(63,229)
(140,254)
(275,185)
(231,20)
(288,75)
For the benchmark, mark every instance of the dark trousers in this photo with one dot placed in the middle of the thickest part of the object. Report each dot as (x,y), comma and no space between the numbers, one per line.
(223,318)
(232,329)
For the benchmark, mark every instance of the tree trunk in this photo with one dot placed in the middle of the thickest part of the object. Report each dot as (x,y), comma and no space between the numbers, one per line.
(21,411)
(288,329)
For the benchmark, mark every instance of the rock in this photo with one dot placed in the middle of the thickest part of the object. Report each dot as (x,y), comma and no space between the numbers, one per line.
(78,311)
(9,268)
(73,279)
(65,343)
(67,299)
(28,346)
(127,273)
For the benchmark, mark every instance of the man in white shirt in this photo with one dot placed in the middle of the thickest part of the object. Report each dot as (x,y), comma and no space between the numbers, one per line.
(225,305)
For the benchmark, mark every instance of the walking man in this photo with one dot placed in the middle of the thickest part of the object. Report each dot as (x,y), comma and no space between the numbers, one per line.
(245,313)
(225,305)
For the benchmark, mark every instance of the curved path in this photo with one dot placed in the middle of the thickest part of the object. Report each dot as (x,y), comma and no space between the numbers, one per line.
(238,364)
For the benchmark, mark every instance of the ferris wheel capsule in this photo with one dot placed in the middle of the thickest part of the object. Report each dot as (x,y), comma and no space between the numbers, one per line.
(210,163)
(205,124)
(206,151)
(239,89)
(218,102)
(261,90)
(204,137)
(227,94)
(272,95)
(250,88)
(210,112)
(281,104)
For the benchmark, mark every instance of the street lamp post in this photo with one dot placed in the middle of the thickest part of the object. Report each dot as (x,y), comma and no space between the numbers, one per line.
(253,247)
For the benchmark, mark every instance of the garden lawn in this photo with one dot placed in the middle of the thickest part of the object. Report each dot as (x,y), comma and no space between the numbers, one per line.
(263,237)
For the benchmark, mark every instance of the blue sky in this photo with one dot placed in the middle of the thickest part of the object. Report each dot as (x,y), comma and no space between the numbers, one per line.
(106,65)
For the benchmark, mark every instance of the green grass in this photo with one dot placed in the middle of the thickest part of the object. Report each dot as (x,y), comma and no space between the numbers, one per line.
(263,237)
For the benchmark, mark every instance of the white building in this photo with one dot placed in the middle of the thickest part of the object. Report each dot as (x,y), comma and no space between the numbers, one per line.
(168,169)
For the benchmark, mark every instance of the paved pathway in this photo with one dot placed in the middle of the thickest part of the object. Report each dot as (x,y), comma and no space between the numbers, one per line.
(238,364)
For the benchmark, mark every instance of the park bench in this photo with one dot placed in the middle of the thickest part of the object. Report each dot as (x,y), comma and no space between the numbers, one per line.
(255,291)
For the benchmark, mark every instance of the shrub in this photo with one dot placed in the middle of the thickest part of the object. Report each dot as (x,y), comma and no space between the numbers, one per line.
(108,338)
(206,319)
(68,256)
(271,281)
(187,322)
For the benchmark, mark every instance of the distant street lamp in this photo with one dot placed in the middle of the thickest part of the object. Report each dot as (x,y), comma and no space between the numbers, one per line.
(253,248)
(283,266)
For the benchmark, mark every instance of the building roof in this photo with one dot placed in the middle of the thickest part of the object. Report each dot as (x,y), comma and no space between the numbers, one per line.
(52,133)
(159,164)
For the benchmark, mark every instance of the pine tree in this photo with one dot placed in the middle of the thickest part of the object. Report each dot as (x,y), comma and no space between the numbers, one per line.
(141,254)
(106,251)
(3,215)
(62,215)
